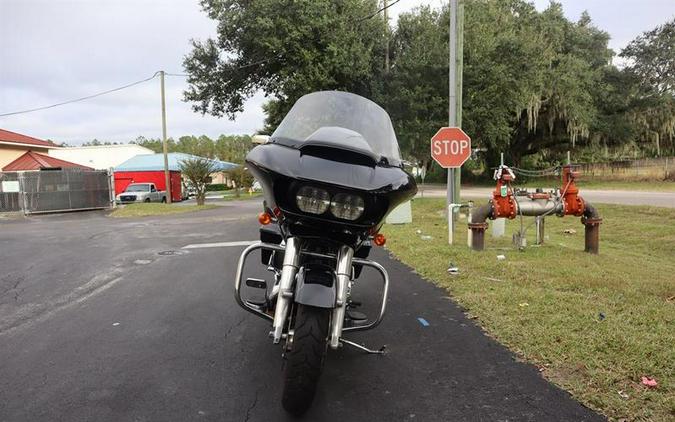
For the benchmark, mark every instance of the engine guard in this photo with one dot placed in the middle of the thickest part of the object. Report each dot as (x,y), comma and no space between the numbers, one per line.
(317,296)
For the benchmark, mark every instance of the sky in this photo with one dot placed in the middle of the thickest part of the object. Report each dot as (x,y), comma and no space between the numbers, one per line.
(56,50)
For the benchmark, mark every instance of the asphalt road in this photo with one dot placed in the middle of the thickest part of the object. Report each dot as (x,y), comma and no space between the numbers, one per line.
(621,197)
(98,323)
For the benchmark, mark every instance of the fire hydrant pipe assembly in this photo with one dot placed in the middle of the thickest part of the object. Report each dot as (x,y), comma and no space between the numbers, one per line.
(507,204)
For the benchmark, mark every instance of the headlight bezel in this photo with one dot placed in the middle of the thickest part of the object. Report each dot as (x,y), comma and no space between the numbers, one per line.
(358,203)
(333,193)
(321,198)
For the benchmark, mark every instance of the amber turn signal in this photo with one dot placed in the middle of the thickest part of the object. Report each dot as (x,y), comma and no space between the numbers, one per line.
(264,218)
(379,239)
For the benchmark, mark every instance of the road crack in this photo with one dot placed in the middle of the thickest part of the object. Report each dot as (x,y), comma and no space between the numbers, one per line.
(12,286)
(251,406)
(34,312)
(233,326)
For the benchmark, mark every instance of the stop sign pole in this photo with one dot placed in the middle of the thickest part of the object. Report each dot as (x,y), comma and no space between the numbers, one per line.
(450,148)
(456,61)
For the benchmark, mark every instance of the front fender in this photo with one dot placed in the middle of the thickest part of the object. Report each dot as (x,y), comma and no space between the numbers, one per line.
(315,286)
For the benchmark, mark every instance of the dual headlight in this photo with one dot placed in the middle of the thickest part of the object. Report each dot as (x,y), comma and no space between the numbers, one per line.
(315,200)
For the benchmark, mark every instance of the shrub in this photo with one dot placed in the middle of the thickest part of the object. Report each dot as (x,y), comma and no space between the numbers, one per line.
(217,187)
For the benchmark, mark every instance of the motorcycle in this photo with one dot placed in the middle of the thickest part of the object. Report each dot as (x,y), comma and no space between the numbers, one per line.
(330,174)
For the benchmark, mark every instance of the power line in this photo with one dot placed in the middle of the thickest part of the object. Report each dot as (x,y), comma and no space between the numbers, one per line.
(169,74)
(81,98)
(378,11)
(30,110)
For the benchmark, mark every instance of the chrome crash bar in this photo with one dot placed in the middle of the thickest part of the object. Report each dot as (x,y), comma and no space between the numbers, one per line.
(290,264)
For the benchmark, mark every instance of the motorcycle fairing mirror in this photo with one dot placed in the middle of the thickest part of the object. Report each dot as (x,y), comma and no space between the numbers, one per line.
(260,139)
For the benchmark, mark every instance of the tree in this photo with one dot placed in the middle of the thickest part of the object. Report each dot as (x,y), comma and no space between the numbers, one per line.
(652,58)
(233,148)
(416,88)
(154,144)
(198,171)
(95,142)
(652,65)
(242,178)
(202,146)
(548,69)
(529,85)
(535,84)
(285,49)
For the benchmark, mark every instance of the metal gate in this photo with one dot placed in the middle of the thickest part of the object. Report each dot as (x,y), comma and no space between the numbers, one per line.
(55,190)
(10,198)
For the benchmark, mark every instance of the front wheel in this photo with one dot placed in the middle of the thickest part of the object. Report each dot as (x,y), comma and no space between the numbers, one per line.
(305,360)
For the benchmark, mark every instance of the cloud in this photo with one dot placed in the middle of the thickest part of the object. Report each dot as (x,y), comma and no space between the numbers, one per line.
(51,51)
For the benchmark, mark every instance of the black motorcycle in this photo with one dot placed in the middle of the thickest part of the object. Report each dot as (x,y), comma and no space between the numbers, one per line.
(330,174)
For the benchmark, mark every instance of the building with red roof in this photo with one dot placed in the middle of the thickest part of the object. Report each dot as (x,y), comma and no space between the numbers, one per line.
(31,160)
(13,145)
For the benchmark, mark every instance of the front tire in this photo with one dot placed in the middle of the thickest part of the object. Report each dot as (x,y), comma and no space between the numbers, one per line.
(305,360)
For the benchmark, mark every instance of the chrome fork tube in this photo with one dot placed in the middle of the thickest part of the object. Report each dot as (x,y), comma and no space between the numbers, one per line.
(285,296)
(343,273)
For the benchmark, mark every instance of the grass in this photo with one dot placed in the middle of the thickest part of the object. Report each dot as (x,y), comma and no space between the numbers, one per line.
(231,196)
(145,210)
(545,303)
(596,184)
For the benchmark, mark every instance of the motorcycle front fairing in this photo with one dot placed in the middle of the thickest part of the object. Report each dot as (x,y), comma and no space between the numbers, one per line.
(338,142)
(282,170)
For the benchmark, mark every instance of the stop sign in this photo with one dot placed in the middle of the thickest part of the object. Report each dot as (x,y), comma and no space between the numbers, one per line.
(450,147)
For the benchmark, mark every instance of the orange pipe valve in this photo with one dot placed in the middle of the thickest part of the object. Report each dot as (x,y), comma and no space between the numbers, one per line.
(503,203)
(574,204)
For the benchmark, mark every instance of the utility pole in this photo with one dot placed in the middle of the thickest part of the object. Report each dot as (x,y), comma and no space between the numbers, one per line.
(167,178)
(456,61)
(386,42)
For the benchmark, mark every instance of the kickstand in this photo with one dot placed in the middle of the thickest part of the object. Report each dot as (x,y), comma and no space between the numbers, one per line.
(382,350)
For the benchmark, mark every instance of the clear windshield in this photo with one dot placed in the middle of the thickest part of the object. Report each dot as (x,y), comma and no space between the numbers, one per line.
(345,110)
(138,188)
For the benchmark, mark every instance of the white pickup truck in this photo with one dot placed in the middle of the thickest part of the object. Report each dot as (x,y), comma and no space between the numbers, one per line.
(141,192)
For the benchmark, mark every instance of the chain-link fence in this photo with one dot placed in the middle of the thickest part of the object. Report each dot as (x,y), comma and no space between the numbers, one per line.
(10,198)
(649,169)
(55,190)
(645,169)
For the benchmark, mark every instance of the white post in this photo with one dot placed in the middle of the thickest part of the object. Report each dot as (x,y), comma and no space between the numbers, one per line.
(539,229)
(22,189)
(111,187)
(451,222)
(498,227)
